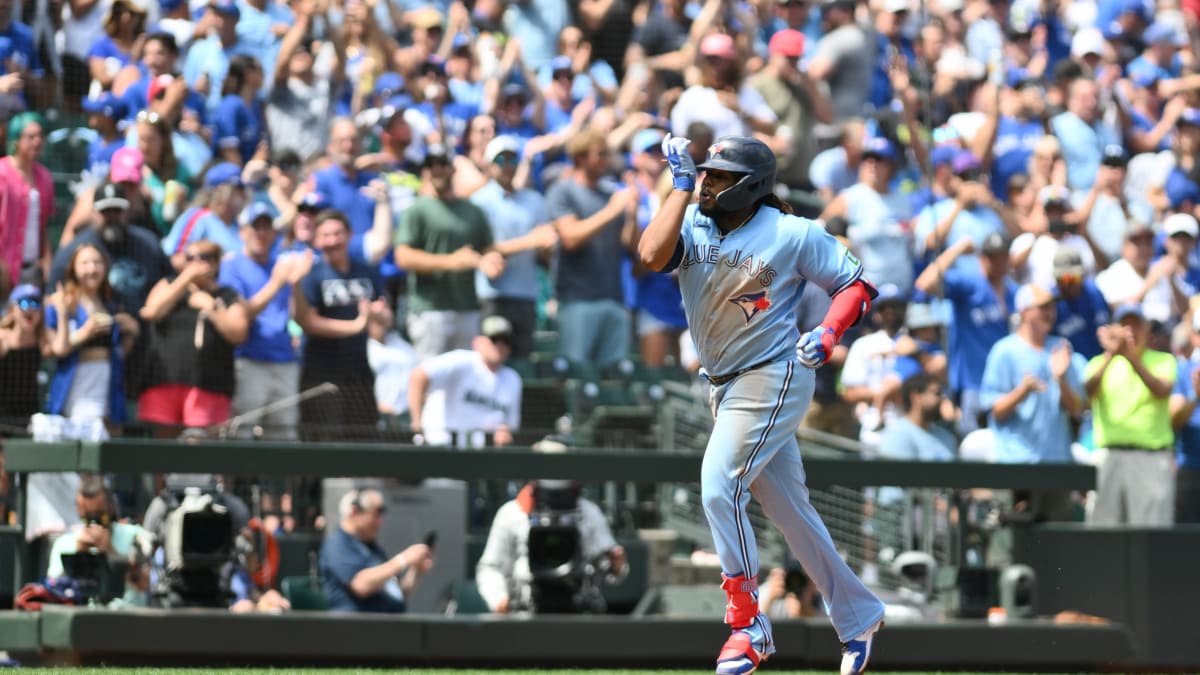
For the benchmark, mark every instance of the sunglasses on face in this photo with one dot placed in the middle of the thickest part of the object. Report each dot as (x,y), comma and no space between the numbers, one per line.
(563,75)
(505,160)
(205,257)
(29,304)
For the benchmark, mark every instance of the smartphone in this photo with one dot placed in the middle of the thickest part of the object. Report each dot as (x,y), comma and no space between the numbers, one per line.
(431,539)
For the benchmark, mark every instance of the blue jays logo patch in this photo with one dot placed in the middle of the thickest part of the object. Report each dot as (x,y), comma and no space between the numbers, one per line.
(751,303)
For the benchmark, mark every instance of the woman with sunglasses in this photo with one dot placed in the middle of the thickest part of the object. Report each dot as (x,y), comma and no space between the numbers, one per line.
(21,331)
(89,341)
(194,326)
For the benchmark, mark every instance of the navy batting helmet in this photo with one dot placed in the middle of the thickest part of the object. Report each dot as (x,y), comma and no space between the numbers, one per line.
(749,156)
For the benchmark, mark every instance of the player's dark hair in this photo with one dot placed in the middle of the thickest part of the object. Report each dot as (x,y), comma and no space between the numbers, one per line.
(913,386)
(773,200)
(333,214)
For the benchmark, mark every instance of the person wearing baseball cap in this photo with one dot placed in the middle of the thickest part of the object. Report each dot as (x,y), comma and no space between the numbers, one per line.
(971,213)
(1032,387)
(795,100)
(520,227)
(1082,309)
(266,363)
(208,60)
(103,111)
(720,99)
(216,222)
(450,418)
(980,300)
(22,325)
(1130,385)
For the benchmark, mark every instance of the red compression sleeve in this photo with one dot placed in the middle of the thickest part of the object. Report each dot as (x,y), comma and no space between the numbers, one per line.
(849,306)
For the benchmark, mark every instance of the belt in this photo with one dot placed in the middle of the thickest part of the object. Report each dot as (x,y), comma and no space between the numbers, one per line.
(718,380)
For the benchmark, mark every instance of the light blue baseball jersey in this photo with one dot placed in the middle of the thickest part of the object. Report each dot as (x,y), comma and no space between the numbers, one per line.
(740,290)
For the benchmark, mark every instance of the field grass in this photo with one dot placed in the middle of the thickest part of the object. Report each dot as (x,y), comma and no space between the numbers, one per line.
(766,670)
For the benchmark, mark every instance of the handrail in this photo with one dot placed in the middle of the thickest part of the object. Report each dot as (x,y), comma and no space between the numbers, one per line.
(409,461)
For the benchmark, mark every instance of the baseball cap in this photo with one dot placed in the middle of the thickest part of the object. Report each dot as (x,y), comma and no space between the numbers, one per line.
(1114,155)
(313,201)
(1054,195)
(227,7)
(388,84)
(787,42)
(1087,41)
(994,243)
(126,166)
(437,151)
(1128,309)
(1030,296)
(1190,116)
(890,293)
(168,6)
(500,145)
(922,315)
(24,292)
(513,90)
(1159,31)
(1067,260)
(157,85)
(943,155)
(1137,228)
(434,64)
(496,326)
(719,45)
(878,146)
(106,104)
(561,63)
(109,196)
(255,210)
(1181,223)
(646,140)
(222,174)
(964,162)
(893,6)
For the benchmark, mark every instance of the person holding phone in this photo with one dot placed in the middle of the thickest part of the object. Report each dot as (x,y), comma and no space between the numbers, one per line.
(358,576)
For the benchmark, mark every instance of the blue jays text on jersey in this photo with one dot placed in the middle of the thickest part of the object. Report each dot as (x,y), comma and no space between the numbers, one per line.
(739,260)
(741,289)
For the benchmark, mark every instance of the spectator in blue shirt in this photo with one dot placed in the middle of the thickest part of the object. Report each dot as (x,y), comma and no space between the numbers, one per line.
(208,59)
(216,221)
(970,214)
(1083,133)
(239,123)
(1082,309)
(125,23)
(1186,418)
(1031,386)
(104,111)
(356,573)
(266,364)
(980,302)
(342,184)
(17,52)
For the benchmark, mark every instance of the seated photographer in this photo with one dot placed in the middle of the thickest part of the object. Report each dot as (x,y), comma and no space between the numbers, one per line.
(505,575)
(356,573)
(97,530)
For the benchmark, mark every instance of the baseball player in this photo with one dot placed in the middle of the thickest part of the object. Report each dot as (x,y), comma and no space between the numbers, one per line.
(743,261)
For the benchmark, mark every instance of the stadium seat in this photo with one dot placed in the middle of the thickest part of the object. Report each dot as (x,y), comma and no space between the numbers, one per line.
(305,593)
(467,599)
(606,413)
(541,404)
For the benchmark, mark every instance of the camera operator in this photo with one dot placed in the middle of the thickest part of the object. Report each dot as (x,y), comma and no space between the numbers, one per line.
(504,574)
(356,573)
(97,531)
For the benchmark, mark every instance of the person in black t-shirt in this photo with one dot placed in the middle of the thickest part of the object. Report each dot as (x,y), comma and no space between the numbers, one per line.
(195,324)
(21,329)
(333,305)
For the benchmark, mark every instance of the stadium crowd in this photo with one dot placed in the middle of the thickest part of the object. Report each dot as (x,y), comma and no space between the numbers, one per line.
(378,193)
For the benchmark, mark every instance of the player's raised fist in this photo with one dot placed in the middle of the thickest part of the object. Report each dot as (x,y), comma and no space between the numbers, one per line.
(683,169)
